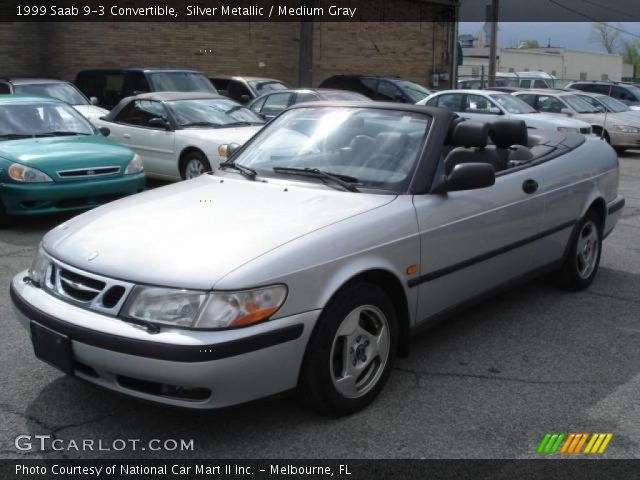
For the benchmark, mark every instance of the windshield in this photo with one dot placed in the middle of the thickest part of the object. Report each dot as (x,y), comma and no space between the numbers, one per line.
(579,105)
(513,104)
(41,119)
(415,91)
(181,82)
(635,91)
(212,112)
(264,86)
(374,148)
(613,105)
(59,90)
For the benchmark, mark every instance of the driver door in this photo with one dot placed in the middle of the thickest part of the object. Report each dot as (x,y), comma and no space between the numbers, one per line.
(475,240)
(155,145)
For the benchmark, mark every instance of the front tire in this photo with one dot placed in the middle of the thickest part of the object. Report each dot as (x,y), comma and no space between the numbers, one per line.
(581,264)
(350,353)
(194,165)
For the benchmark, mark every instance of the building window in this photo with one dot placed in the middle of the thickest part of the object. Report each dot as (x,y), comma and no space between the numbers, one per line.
(512,69)
(604,77)
(554,73)
(583,75)
(526,69)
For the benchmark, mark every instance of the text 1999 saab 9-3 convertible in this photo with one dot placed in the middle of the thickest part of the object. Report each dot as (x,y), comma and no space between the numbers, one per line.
(308,259)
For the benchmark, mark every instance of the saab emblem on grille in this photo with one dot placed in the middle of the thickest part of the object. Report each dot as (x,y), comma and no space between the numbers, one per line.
(91,172)
(92,256)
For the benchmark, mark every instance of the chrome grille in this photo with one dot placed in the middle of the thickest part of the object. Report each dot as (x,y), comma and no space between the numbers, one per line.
(88,172)
(84,289)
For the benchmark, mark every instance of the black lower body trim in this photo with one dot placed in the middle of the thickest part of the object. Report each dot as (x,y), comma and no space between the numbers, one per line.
(428,277)
(156,350)
(617,204)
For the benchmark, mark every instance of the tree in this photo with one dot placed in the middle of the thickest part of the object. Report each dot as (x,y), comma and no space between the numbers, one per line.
(631,54)
(532,44)
(605,35)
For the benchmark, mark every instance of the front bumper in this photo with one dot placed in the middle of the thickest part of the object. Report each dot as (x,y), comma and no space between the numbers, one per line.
(41,198)
(224,367)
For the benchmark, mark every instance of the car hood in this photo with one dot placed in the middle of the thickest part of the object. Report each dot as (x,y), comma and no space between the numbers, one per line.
(220,135)
(51,154)
(631,118)
(551,120)
(91,112)
(193,233)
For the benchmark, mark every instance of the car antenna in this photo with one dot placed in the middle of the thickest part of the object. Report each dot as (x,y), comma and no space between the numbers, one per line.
(606,112)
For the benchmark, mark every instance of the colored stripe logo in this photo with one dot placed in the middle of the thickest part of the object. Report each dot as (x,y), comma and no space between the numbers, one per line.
(574,443)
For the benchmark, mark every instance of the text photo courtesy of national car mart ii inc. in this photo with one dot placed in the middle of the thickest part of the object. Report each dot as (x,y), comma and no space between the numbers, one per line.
(183,470)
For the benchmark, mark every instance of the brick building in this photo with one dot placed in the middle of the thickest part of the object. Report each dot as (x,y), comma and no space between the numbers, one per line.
(294,52)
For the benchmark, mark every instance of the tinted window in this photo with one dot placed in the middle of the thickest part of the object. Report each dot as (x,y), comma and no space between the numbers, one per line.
(276,103)
(624,94)
(550,104)
(388,92)
(306,97)
(221,83)
(139,112)
(4,88)
(480,104)
(237,89)
(450,101)
(540,84)
(181,82)
(528,98)
(134,84)
(415,91)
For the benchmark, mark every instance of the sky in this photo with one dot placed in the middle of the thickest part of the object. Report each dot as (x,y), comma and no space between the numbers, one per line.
(562,34)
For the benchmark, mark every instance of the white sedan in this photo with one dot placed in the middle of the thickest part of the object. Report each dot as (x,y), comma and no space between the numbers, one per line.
(487,106)
(179,135)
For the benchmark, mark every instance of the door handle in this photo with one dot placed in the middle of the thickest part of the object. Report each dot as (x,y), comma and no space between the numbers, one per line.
(127,136)
(530,186)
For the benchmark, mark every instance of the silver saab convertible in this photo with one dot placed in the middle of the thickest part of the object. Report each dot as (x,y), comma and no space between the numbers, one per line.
(306,261)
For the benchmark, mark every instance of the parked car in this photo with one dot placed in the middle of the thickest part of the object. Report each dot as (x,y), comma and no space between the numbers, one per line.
(110,85)
(334,233)
(627,93)
(490,105)
(245,89)
(271,104)
(386,89)
(53,160)
(54,88)
(179,135)
(570,104)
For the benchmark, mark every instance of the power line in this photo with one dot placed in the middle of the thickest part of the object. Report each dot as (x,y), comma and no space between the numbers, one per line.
(572,10)
(607,7)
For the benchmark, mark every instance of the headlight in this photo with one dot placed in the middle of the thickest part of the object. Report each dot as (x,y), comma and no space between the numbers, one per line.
(135,165)
(626,129)
(568,130)
(22,173)
(39,266)
(203,310)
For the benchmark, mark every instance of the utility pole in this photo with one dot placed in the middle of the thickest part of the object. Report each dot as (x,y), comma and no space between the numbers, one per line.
(493,47)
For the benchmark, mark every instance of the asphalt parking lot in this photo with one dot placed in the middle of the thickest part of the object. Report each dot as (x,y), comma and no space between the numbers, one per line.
(486,384)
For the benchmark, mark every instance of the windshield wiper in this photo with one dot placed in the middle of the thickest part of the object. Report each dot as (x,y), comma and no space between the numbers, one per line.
(200,124)
(59,133)
(15,136)
(344,181)
(246,172)
(240,124)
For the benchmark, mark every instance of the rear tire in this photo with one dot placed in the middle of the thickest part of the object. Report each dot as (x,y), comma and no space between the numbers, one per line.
(581,264)
(350,352)
(194,164)
(620,150)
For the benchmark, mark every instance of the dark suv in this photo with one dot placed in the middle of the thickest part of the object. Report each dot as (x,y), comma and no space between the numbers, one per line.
(385,89)
(110,85)
(625,92)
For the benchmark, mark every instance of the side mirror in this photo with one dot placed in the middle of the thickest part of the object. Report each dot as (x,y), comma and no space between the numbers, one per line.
(244,99)
(228,150)
(470,176)
(104,131)
(158,122)
(567,111)
(94,101)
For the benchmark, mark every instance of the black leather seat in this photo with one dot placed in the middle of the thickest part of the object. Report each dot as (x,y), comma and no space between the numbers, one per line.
(470,140)
(510,138)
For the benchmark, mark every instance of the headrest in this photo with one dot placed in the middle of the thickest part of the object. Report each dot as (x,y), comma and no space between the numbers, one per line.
(471,134)
(391,143)
(505,133)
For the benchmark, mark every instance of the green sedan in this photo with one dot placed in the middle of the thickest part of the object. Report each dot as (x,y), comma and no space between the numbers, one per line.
(52,159)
